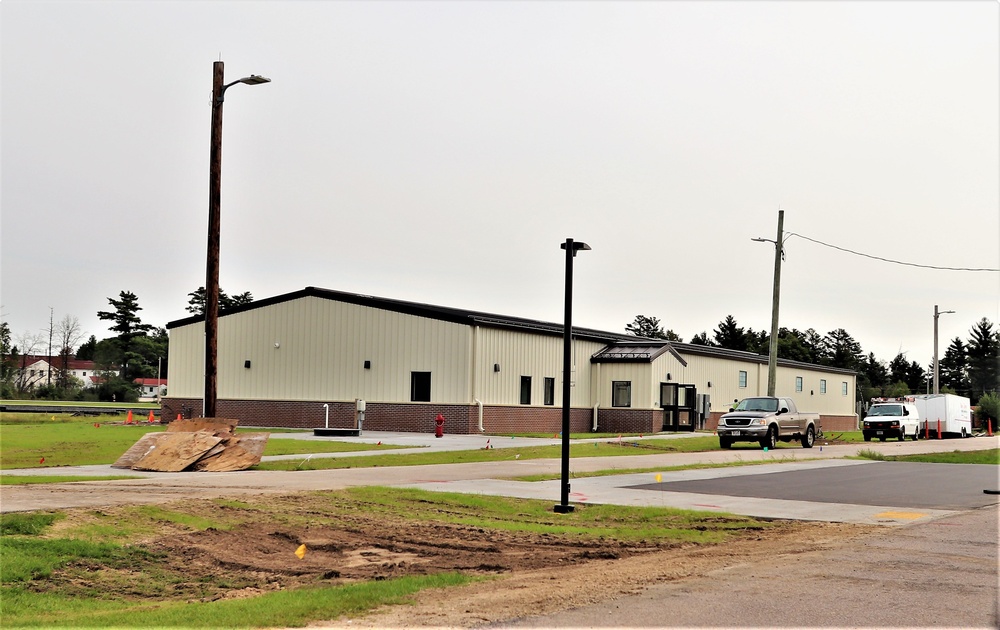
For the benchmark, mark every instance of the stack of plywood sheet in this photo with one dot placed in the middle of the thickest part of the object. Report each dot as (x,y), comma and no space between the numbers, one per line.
(203,444)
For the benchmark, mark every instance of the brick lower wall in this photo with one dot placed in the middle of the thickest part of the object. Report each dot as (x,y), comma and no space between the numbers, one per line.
(418,417)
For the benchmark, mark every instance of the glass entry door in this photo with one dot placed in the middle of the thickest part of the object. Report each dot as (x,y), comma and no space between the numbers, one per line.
(678,402)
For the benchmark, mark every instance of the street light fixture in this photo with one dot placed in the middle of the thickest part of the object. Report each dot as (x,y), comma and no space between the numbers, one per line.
(219,88)
(937,369)
(779,254)
(571,247)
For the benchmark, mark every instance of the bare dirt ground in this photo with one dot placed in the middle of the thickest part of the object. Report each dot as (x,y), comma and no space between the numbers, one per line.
(574,578)
(529,573)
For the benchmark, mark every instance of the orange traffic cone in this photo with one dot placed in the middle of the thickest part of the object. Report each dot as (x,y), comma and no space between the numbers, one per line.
(178,416)
(128,419)
(989,427)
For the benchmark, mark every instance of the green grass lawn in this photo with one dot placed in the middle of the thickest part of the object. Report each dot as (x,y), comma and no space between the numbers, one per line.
(63,440)
(989,456)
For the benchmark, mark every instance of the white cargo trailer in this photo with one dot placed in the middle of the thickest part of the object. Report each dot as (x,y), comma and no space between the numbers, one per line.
(949,412)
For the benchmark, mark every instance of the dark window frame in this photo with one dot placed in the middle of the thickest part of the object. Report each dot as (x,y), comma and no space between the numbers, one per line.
(549,393)
(614,393)
(420,391)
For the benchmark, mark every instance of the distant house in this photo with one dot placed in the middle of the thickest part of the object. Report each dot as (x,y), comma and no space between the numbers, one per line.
(151,388)
(35,371)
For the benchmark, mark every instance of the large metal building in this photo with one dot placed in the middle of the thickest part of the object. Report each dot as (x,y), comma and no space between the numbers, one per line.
(305,358)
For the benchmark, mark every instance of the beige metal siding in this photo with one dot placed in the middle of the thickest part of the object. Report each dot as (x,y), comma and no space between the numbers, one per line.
(315,349)
(526,354)
(636,373)
(724,376)
(186,358)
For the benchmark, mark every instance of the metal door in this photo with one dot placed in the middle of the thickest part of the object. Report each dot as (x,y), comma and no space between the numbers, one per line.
(679,404)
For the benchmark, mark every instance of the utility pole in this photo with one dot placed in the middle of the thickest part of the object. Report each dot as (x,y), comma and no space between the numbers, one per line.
(779,252)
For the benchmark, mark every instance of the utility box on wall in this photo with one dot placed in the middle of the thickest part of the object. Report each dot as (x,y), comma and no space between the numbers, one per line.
(704,407)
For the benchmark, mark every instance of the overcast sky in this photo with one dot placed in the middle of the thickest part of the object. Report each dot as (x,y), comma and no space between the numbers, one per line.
(440,152)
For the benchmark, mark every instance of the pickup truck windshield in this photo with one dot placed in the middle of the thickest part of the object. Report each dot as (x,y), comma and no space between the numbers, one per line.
(886,410)
(758,404)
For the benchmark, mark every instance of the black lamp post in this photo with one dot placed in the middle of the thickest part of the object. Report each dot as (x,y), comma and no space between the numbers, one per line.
(214,207)
(571,248)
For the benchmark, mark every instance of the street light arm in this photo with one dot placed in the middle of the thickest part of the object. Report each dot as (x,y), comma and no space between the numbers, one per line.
(253,79)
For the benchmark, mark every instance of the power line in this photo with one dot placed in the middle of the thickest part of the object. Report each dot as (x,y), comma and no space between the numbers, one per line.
(888,260)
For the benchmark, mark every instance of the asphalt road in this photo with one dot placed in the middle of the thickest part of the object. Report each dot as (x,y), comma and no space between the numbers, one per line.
(913,485)
(938,574)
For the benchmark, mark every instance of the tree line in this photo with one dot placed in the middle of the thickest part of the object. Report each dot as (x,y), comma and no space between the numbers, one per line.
(969,367)
(137,350)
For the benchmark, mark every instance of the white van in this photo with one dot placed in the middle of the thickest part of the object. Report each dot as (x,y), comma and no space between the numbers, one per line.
(889,418)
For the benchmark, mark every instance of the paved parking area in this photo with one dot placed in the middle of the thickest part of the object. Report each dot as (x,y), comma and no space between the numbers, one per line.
(822,490)
(915,485)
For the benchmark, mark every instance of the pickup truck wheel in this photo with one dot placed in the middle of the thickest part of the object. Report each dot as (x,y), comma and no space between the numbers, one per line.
(770,440)
(809,438)
(902,434)
(725,442)
(916,435)
(868,438)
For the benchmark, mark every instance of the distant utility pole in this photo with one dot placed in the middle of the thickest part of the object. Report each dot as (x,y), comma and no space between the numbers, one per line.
(48,372)
(937,370)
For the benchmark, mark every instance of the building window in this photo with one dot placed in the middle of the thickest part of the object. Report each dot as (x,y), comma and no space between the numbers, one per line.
(621,393)
(550,390)
(525,390)
(84,373)
(420,386)
(843,388)
(743,378)
(822,385)
(798,383)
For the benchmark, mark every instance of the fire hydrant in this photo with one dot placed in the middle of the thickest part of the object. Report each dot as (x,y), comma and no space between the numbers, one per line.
(439,429)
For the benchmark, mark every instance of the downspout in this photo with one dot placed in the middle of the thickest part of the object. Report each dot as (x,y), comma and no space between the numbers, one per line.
(593,429)
(475,375)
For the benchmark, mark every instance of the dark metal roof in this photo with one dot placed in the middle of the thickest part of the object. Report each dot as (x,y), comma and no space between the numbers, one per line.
(635,352)
(442,313)
(621,347)
(740,355)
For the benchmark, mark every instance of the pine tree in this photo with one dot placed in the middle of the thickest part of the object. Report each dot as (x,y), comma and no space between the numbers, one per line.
(730,335)
(983,353)
(954,370)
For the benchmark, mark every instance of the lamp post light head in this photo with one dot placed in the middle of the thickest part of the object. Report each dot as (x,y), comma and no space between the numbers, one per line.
(577,246)
(254,79)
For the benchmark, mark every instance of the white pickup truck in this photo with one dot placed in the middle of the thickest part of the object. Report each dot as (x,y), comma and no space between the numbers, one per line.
(767,420)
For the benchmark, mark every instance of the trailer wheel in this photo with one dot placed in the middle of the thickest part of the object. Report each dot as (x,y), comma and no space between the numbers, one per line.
(916,434)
